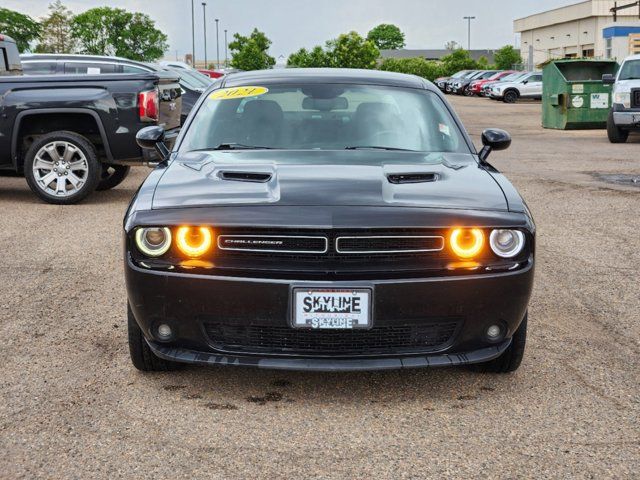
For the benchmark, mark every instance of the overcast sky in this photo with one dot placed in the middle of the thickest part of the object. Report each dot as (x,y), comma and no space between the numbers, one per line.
(292,24)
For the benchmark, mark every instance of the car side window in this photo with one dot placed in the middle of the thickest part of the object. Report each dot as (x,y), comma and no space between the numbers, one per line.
(535,78)
(39,68)
(3,62)
(89,68)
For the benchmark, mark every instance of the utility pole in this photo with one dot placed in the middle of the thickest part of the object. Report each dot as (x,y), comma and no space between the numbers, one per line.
(217,45)
(204,21)
(193,37)
(226,56)
(468,19)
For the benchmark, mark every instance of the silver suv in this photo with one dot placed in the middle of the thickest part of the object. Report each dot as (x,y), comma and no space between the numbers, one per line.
(526,86)
(625,114)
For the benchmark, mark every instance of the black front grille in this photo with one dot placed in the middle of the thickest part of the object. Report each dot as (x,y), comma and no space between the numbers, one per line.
(383,340)
(396,244)
(273,243)
(635,98)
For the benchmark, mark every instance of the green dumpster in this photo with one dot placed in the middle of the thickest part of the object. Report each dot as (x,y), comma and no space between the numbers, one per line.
(573,95)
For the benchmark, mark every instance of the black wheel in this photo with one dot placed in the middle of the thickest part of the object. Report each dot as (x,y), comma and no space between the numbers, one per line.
(141,355)
(62,167)
(511,359)
(112,176)
(510,96)
(468,93)
(615,134)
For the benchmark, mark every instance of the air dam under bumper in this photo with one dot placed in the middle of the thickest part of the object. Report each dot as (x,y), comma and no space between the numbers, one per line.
(190,302)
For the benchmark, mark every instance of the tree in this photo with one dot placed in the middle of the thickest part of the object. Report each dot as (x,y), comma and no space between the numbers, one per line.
(452,45)
(250,53)
(316,58)
(456,61)
(350,50)
(387,37)
(56,30)
(22,28)
(114,31)
(428,69)
(507,57)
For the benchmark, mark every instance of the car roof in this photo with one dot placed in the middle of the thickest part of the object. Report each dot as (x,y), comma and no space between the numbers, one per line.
(87,58)
(327,75)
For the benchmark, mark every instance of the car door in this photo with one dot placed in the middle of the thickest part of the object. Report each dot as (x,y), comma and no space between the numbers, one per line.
(533,87)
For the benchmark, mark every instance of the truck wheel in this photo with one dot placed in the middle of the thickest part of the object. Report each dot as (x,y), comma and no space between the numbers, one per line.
(615,134)
(510,96)
(141,355)
(112,176)
(511,359)
(62,167)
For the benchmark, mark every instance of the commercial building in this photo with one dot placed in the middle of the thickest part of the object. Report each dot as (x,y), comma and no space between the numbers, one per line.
(585,29)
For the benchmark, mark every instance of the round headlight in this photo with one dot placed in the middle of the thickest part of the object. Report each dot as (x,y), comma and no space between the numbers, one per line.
(506,243)
(154,241)
(466,242)
(194,241)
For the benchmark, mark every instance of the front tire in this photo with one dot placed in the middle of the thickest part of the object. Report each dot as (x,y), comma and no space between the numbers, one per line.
(615,134)
(511,358)
(112,176)
(510,96)
(141,355)
(62,167)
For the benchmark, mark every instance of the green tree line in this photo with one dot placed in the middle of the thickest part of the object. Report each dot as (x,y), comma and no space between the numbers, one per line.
(97,31)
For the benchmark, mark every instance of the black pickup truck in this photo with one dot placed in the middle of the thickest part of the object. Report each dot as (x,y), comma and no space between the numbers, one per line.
(70,135)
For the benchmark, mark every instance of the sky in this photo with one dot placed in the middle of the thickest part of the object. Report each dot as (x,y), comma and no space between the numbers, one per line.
(292,24)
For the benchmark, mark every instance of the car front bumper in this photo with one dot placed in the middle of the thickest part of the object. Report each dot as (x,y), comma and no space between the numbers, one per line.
(627,119)
(190,303)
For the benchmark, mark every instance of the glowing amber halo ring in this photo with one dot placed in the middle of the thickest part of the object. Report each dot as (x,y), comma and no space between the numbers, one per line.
(464,251)
(186,244)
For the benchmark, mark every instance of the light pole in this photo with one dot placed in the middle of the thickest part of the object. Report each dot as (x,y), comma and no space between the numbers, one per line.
(193,37)
(468,19)
(217,45)
(204,21)
(226,56)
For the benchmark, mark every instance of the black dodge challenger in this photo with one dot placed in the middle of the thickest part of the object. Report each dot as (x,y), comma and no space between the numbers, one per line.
(327,220)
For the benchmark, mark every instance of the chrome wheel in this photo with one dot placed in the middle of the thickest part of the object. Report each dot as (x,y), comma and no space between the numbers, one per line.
(60,169)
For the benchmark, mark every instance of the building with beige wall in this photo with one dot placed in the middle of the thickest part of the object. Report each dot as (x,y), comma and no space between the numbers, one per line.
(578,31)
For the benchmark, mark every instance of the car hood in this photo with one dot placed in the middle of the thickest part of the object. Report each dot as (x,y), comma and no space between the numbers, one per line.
(331,178)
(626,85)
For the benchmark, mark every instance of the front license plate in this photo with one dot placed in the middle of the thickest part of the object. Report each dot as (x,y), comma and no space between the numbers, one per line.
(332,309)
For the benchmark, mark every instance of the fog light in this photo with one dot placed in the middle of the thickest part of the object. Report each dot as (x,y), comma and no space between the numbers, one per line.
(164,331)
(494,332)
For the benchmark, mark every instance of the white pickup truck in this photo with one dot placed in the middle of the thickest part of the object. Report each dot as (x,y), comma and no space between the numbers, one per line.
(625,113)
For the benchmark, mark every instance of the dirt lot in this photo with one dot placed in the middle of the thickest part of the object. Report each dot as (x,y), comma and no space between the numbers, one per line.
(72,405)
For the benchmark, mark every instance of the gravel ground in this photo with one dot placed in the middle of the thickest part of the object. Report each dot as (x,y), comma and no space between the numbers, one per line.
(72,406)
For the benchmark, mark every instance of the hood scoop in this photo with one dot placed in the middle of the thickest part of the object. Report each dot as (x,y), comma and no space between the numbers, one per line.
(408,178)
(253,177)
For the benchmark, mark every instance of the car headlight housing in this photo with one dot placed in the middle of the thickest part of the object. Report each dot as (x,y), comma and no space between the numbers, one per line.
(506,243)
(622,98)
(466,243)
(194,242)
(153,241)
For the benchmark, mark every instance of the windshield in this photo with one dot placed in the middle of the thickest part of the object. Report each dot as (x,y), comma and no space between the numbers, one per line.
(194,77)
(630,70)
(460,74)
(513,76)
(325,117)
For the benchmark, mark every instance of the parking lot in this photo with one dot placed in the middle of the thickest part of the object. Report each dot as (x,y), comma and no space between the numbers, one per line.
(73,406)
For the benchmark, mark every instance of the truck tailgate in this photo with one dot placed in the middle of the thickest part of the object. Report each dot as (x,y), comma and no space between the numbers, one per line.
(170,100)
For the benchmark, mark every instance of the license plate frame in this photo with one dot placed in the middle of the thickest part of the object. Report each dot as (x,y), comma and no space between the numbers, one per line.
(338,320)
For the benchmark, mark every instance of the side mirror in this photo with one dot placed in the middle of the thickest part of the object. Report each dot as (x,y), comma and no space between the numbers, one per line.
(608,79)
(153,138)
(525,82)
(494,139)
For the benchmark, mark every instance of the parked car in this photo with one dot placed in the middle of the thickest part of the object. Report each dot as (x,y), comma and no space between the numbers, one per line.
(486,88)
(625,114)
(9,58)
(70,135)
(461,87)
(475,87)
(61,64)
(441,82)
(527,86)
(451,83)
(360,230)
(211,73)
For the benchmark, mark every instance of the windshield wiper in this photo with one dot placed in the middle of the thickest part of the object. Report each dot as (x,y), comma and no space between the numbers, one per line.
(376,147)
(232,146)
